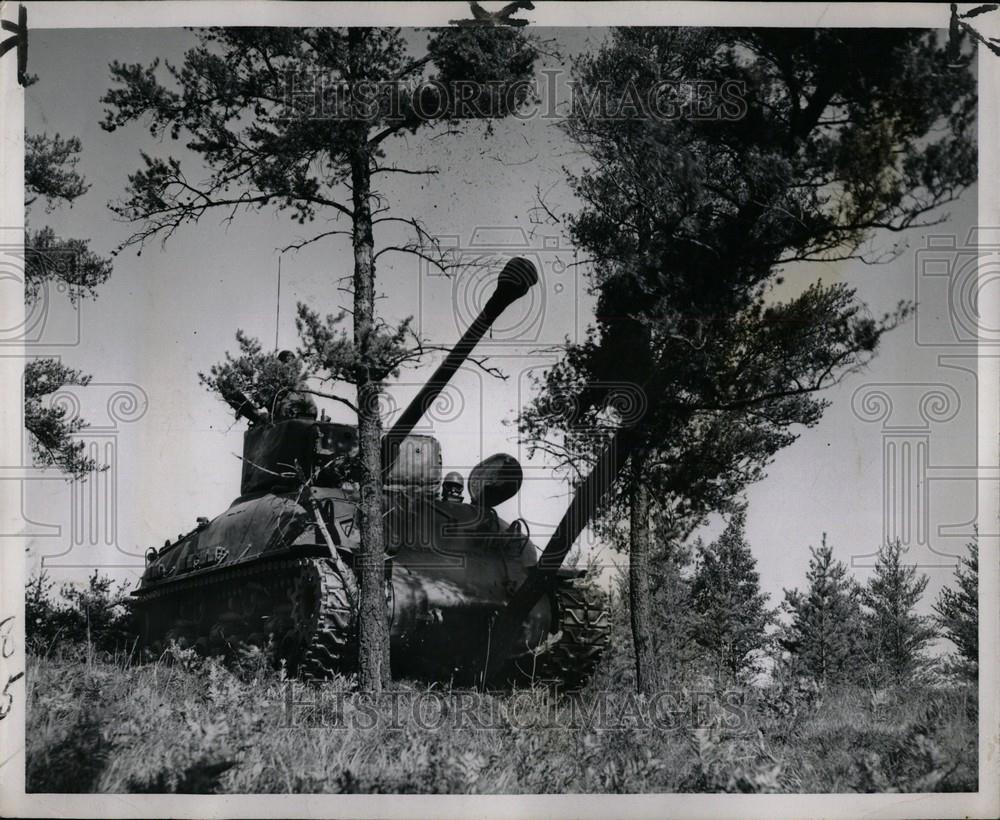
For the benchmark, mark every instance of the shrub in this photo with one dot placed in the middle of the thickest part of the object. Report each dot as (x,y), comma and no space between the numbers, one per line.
(957,615)
(896,636)
(822,639)
(191,724)
(98,616)
(731,608)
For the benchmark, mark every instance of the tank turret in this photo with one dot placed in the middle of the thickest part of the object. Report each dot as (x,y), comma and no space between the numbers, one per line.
(272,446)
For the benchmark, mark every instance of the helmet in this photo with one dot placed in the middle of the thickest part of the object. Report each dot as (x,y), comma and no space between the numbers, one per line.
(452,486)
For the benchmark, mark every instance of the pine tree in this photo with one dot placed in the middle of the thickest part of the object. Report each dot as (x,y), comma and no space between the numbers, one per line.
(731,610)
(687,222)
(673,616)
(822,638)
(51,178)
(896,636)
(957,615)
(300,120)
(673,621)
(261,377)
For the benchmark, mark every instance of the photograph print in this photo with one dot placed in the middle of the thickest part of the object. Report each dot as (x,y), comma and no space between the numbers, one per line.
(481,400)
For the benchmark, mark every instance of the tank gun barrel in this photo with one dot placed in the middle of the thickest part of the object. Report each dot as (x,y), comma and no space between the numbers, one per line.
(515,280)
(586,503)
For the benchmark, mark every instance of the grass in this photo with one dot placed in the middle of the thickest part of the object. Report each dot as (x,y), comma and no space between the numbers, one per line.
(187,725)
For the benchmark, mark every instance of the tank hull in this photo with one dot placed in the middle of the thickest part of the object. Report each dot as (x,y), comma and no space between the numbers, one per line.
(263,573)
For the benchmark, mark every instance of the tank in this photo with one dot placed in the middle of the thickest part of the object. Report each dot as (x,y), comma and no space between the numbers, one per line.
(277,568)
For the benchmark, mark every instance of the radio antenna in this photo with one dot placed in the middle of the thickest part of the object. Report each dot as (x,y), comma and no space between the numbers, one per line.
(277,306)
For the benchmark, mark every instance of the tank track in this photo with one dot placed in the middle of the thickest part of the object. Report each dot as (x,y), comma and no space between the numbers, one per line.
(584,618)
(325,618)
(298,608)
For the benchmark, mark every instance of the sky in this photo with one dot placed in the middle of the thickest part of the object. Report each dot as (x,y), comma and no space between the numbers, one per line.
(172,311)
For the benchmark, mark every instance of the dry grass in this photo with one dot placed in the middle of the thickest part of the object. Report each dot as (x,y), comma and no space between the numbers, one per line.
(194,726)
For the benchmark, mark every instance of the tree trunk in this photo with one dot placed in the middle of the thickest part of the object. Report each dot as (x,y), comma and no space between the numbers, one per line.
(646,673)
(373,640)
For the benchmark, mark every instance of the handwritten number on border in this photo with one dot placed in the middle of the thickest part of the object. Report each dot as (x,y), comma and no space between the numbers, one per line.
(6,650)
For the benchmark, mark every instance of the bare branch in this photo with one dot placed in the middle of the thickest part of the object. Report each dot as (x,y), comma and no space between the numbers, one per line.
(394,169)
(320,393)
(423,348)
(299,245)
(416,249)
(549,217)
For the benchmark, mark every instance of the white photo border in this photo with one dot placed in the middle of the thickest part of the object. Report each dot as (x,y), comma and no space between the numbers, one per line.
(44,15)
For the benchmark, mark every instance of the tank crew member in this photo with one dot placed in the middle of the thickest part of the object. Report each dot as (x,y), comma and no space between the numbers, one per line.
(295,403)
(452,487)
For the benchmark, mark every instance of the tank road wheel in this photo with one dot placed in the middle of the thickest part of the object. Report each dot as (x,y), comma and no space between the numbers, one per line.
(321,640)
(584,619)
(299,607)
